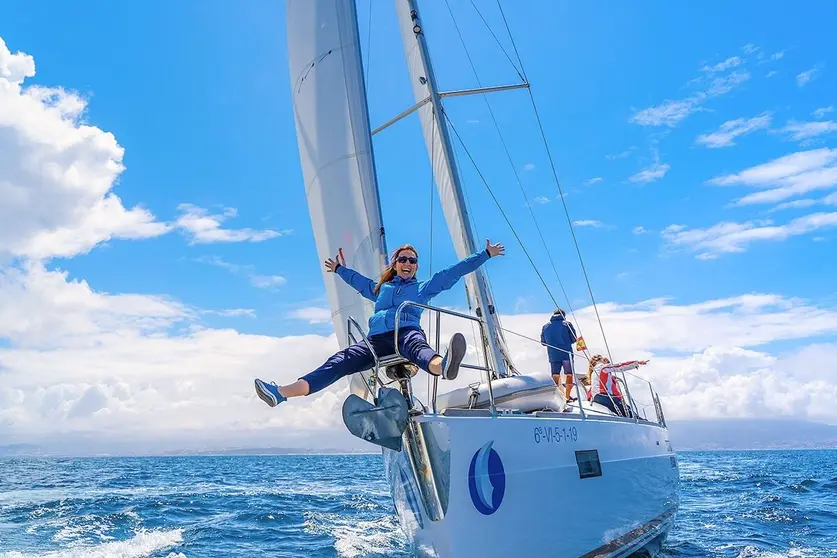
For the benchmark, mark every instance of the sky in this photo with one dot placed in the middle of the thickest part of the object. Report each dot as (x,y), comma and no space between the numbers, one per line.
(156,253)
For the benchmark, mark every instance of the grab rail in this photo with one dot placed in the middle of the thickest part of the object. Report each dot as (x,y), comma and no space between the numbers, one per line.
(370,383)
(439,312)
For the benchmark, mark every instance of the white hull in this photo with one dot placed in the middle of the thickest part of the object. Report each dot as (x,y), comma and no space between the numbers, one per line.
(537,503)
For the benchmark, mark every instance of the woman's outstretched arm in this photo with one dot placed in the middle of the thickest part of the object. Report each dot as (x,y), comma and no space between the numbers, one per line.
(446,278)
(360,283)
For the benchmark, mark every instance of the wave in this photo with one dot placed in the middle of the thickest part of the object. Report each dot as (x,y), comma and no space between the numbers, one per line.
(142,544)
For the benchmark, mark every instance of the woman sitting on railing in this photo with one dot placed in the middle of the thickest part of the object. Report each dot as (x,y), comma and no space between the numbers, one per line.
(604,388)
(396,285)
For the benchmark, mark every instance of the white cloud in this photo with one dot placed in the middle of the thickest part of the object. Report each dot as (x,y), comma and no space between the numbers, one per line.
(821,112)
(595,180)
(57,175)
(750,48)
(204,227)
(669,113)
(728,237)
(728,64)
(807,130)
(266,281)
(238,313)
(804,78)
(639,230)
(796,204)
(248,271)
(650,174)
(723,85)
(786,176)
(588,223)
(771,73)
(143,368)
(621,155)
(90,362)
(777,55)
(44,308)
(541,200)
(529,167)
(56,172)
(731,129)
(830,199)
(312,315)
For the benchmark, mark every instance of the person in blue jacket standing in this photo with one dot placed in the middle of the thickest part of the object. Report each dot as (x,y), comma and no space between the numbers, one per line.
(396,285)
(559,336)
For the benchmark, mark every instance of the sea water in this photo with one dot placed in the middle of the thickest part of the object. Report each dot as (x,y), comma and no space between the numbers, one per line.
(736,504)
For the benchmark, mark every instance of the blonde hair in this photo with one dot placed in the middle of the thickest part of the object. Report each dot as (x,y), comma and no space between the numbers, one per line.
(389,272)
(597,359)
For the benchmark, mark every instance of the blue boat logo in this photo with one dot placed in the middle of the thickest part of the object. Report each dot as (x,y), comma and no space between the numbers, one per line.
(486,480)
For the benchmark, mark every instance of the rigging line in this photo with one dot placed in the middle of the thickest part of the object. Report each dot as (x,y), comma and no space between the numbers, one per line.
(514,45)
(497,202)
(517,70)
(569,221)
(563,202)
(516,176)
(557,182)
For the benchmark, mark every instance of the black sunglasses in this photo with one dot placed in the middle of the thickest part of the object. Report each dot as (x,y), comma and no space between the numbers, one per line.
(405,259)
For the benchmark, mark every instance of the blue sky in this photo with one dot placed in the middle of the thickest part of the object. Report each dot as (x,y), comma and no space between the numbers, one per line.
(197,94)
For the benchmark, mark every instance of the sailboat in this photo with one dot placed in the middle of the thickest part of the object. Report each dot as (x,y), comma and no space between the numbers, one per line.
(502,467)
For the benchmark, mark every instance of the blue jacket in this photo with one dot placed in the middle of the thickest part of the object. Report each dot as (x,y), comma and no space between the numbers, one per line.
(392,294)
(558,333)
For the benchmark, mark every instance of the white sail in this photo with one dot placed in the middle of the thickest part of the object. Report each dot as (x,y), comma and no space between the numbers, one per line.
(335,148)
(445,172)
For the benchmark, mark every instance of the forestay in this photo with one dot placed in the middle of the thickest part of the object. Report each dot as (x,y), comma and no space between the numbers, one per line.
(335,146)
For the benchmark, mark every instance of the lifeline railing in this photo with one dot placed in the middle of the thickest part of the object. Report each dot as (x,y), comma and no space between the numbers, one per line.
(398,358)
(438,313)
(390,360)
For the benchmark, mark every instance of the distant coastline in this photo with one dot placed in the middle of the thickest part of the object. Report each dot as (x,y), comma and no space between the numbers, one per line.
(686,436)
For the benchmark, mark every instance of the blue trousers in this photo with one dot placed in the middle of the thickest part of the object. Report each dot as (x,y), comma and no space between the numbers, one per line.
(412,345)
(615,404)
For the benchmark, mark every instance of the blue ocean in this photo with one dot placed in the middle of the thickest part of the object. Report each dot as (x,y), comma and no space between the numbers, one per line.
(736,504)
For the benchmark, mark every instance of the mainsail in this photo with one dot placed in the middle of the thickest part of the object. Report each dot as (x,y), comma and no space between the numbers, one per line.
(335,147)
(446,175)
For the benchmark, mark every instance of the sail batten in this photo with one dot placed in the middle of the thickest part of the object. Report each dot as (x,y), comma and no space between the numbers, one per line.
(335,149)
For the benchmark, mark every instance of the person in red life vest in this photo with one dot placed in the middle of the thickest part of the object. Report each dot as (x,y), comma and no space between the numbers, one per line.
(604,388)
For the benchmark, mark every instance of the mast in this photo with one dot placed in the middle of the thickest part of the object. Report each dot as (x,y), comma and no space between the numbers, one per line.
(448,182)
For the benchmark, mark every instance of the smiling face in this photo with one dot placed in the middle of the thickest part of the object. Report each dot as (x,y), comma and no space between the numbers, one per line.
(406,264)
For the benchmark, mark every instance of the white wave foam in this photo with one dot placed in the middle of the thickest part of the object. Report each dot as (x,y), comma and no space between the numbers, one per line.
(794,552)
(353,538)
(140,545)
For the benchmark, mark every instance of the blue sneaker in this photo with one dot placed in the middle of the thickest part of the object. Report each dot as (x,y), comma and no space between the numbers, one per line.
(269,393)
(453,356)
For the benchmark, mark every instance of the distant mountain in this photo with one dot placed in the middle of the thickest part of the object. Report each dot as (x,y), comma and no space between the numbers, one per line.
(15,450)
(740,434)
